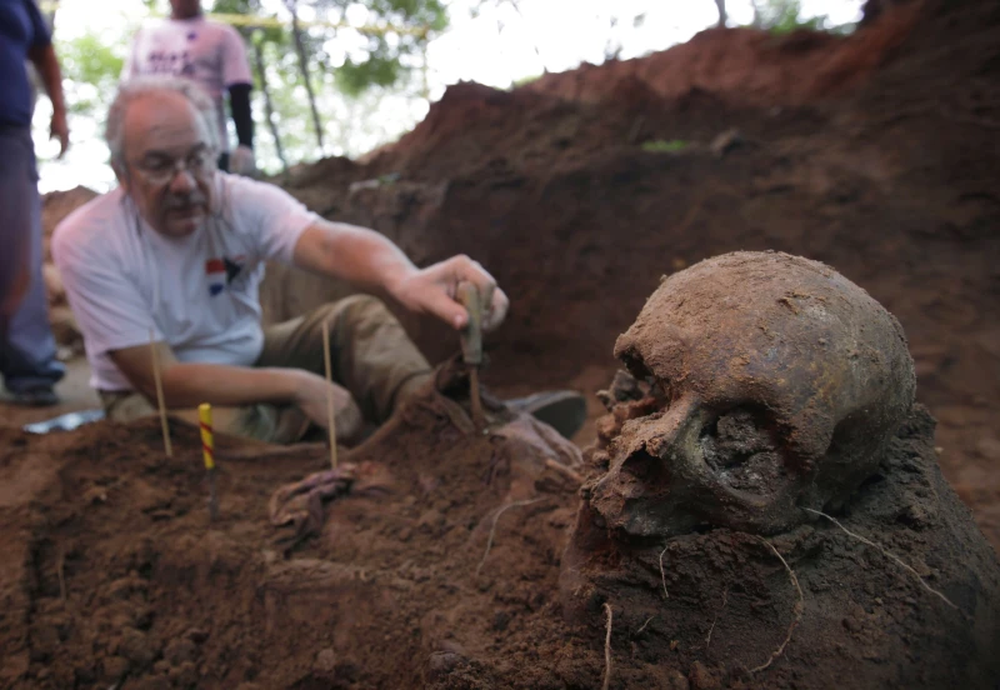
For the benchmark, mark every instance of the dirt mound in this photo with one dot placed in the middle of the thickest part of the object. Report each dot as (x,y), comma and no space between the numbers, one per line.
(746,66)
(113,575)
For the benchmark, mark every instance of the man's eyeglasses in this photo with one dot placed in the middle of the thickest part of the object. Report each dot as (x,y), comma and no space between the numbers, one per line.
(160,170)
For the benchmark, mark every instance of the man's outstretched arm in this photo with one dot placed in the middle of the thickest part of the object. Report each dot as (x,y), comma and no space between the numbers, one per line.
(371,261)
(186,385)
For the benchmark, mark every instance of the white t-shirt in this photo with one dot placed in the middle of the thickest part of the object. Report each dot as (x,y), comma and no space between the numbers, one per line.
(198,293)
(210,53)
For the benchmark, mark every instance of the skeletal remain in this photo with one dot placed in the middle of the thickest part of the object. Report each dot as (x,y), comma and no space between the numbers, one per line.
(769,383)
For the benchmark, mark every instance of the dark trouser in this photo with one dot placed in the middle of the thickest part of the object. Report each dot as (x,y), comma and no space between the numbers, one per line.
(371,356)
(27,346)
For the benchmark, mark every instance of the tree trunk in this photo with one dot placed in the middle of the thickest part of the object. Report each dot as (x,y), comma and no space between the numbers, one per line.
(268,105)
(300,48)
(721,4)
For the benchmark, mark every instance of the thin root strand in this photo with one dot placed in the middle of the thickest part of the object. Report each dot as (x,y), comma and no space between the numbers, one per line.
(799,605)
(663,577)
(888,554)
(493,528)
(607,648)
(725,599)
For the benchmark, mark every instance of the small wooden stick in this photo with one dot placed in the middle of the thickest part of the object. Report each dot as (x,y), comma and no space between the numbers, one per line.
(159,394)
(331,427)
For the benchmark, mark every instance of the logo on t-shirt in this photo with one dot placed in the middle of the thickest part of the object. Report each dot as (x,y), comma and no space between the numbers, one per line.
(223,272)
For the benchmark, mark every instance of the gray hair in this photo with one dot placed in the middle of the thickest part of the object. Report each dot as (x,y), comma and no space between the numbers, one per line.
(137,88)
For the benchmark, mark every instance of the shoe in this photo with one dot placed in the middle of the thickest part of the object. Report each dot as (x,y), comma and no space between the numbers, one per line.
(36,396)
(564,411)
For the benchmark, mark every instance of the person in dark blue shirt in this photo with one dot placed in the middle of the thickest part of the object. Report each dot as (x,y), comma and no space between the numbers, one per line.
(27,348)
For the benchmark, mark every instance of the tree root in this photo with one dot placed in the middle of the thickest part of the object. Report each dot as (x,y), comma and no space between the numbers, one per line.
(725,599)
(663,577)
(797,609)
(493,529)
(887,554)
(607,649)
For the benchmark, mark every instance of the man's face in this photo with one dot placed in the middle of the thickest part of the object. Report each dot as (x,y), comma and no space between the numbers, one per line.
(169,163)
(185,9)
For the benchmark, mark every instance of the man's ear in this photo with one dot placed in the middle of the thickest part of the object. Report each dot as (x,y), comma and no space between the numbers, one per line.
(122,174)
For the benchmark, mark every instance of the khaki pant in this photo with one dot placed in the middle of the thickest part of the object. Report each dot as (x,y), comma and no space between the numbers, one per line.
(370,354)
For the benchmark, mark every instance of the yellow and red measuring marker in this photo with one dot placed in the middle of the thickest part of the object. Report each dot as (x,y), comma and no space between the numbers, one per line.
(208,451)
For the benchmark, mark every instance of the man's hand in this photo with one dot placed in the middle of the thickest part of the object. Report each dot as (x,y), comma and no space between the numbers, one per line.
(241,161)
(311,398)
(59,129)
(433,290)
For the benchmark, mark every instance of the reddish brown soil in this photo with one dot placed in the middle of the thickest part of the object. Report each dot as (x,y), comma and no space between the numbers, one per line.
(449,577)
(886,170)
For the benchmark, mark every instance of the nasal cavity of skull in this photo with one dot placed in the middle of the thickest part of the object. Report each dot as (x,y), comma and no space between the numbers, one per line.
(645,468)
(741,448)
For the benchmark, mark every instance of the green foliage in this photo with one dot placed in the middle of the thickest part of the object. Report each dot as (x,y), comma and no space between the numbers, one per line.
(91,65)
(378,70)
(785,16)
(663,146)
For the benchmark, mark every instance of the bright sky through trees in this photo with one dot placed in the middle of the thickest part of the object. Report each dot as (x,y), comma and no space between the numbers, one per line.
(497,47)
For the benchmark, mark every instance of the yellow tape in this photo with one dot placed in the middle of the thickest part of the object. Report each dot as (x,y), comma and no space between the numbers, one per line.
(207,439)
(271,22)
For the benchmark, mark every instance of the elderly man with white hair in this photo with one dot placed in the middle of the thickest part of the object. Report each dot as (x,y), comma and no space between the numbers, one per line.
(177,253)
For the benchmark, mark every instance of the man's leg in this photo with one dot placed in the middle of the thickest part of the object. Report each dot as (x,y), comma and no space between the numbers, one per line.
(371,354)
(28,350)
(14,235)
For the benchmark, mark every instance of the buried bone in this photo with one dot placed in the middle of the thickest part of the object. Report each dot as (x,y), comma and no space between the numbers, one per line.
(764,392)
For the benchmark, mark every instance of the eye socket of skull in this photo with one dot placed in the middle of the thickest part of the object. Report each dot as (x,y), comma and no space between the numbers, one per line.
(661,389)
(743,445)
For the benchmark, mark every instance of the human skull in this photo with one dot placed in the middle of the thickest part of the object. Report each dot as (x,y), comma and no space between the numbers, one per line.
(774,384)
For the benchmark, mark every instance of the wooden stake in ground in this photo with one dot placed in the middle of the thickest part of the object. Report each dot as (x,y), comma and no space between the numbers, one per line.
(208,451)
(159,394)
(331,427)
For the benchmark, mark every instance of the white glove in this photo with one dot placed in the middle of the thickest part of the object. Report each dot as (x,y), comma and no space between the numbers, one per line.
(241,161)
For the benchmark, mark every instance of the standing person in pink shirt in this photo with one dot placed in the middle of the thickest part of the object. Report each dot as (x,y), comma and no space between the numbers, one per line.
(212,54)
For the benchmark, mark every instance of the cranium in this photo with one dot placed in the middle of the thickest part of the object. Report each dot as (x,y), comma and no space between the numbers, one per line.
(774,384)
